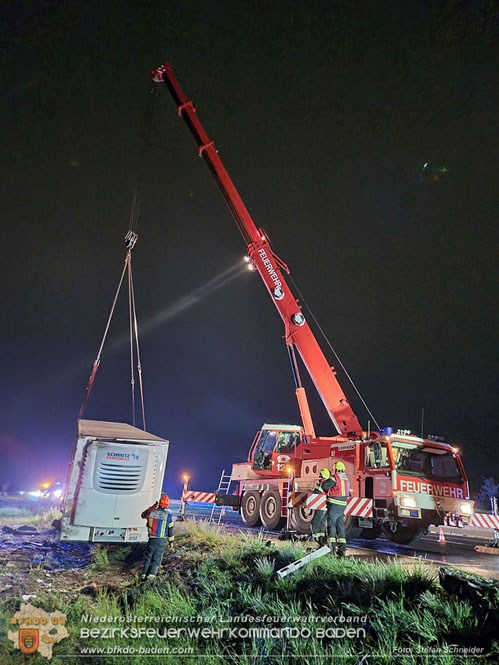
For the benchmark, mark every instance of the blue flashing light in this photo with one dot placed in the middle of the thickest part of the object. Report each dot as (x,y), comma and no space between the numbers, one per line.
(387,430)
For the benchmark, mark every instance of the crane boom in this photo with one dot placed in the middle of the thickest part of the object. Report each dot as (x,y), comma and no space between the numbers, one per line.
(297,331)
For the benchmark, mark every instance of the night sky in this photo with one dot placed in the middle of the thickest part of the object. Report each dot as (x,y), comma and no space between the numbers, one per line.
(324,113)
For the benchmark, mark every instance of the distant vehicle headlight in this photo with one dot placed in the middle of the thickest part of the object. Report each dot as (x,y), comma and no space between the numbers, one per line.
(408,501)
(466,508)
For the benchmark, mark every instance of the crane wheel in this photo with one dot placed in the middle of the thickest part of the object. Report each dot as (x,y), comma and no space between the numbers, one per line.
(407,533)
(250,508)
(351,529)
(270,510)
(301,519)
(371,534)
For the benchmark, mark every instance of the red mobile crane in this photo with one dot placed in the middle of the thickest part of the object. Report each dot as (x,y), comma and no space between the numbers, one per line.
(412,482)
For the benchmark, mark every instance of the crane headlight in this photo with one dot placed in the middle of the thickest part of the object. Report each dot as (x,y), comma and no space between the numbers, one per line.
(298,319)
(278,293)
(408,501)
(466,508)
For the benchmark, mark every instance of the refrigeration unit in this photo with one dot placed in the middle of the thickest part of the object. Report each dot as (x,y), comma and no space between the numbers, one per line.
(116,472)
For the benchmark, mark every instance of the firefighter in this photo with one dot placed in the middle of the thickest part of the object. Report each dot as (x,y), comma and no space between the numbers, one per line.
(337,497)
(318,526)
(160,529)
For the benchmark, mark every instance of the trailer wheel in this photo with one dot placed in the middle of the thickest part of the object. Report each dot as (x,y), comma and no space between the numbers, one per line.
(301,519)
(250,507)
(270,510)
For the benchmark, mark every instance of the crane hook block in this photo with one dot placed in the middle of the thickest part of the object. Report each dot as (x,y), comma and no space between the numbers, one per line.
(130,240)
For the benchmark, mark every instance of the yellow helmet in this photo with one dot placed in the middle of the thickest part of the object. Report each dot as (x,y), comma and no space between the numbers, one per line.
(339,466)
(325,473)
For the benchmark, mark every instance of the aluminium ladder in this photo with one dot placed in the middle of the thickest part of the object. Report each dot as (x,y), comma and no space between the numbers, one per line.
(223,488)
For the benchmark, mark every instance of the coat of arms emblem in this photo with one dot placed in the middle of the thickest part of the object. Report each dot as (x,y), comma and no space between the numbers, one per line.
(29,639)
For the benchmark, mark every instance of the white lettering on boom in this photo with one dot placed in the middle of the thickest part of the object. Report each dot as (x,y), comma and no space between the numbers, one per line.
(270,268)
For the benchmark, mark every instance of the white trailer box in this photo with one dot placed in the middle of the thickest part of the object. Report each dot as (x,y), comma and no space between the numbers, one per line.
(116,472)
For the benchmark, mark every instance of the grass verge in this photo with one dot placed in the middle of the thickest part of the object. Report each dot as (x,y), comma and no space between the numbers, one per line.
(222,601)
(15,517)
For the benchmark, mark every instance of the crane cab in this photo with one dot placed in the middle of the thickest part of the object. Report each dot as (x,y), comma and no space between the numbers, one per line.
(274,448)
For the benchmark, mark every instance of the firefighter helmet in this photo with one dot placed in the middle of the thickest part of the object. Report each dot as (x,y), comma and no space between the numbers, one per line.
(325,473)
(339,466)
(164,502)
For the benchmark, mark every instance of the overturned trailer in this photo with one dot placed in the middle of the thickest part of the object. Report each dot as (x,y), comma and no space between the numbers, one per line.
(116,472)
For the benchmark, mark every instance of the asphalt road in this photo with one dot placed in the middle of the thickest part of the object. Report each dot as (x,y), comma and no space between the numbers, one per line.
(458,551)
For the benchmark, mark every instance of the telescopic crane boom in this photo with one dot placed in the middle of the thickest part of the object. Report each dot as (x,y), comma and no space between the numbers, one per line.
(298,334)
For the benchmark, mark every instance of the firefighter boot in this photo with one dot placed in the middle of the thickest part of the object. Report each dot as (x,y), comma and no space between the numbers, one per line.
(342,547)
(318,538)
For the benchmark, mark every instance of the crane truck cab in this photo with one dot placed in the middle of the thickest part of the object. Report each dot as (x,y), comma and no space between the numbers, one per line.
(412,482)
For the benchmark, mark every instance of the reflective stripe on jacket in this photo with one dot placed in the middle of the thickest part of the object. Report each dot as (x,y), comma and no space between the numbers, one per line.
(160,524)
(340,492)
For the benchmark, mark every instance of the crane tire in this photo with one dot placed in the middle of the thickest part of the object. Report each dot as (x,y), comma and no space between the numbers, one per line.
(406,533)
(351,529)
(301,519)
(270,510)
(250,507)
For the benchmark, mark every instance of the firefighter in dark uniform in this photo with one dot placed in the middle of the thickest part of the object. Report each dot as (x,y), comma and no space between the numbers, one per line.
(160,529)
(337,497)
(318,526)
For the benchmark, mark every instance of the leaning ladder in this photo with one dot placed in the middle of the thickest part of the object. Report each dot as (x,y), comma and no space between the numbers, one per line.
(223,488)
